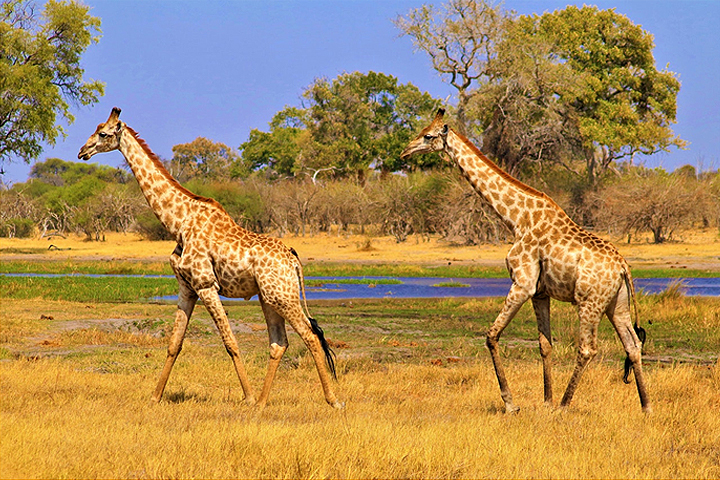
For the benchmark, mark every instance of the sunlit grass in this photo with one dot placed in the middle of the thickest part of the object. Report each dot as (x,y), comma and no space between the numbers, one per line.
(401,420)
(422,398)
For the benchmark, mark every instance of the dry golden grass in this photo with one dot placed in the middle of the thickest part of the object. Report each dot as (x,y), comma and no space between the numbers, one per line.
(64,420)
(76,391)
(699,249)
(76,384)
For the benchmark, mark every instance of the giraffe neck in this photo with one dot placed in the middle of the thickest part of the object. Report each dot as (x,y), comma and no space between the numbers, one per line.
(510,198)
(170,201)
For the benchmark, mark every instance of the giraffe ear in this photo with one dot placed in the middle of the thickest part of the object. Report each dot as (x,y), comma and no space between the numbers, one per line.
(444,130)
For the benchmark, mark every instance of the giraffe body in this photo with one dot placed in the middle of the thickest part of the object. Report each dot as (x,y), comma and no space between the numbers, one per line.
(551,257)
(215,256)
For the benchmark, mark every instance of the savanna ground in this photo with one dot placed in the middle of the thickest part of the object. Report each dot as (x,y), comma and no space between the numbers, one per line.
(77,369)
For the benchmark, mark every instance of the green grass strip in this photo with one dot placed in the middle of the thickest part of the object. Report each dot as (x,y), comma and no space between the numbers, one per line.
(87,289)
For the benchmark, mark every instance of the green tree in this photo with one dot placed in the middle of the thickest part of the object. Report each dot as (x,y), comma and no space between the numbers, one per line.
(203,158)
(40,72)
(359,121)
(279,149)
(626,106)
(55,171)
(579,88)
(354,122)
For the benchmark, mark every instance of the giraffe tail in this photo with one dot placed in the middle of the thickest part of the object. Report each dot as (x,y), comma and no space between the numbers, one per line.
(329,354)
(639,331)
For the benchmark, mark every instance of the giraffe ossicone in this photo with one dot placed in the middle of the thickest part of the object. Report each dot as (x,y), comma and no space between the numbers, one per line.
(214,256)
(551,257)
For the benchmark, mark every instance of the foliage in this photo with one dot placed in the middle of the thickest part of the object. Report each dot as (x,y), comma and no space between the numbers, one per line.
(203,158)
(351,124)
(626,105)
(277,150)
(65,196)
(40,72)
(577,87)
(57,172)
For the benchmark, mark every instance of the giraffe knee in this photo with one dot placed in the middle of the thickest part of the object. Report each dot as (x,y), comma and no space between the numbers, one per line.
(545,347)
(587,353)
(174,349)
(277,351)
(634,354)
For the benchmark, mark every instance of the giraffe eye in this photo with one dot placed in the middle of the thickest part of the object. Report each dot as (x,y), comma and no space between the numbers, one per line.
(429,137)
(102,134)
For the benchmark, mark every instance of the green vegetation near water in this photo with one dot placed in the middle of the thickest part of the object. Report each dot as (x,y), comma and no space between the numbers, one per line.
(126,267)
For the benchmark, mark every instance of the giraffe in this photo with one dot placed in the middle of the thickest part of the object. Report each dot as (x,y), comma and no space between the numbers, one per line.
(551,257)
(214,256)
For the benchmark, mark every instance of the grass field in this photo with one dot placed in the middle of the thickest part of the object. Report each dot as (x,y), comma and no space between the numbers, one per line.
(422,398)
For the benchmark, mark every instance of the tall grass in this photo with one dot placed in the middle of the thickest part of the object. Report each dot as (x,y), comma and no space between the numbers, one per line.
(401,421)
(422,398)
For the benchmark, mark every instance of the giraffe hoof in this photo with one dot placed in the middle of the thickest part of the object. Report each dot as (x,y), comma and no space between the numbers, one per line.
(338,405)
(250,401)
(510,409)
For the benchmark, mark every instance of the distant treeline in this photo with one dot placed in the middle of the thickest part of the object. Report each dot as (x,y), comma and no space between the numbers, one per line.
(64,197)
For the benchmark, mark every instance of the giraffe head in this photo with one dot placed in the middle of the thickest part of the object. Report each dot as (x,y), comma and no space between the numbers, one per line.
(431,139)
(106,137)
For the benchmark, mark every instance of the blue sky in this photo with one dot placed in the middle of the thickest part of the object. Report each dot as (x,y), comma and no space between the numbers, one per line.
(183,69)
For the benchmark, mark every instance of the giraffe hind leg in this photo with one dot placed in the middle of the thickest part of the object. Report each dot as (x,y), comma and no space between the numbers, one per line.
(587,348)
(278,344)
(541,305)
(632,338)
(293,313)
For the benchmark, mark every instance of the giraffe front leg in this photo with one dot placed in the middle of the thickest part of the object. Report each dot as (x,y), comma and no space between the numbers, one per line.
(214,306)
(278,344)
(186,303)
(515,299)
(541,305)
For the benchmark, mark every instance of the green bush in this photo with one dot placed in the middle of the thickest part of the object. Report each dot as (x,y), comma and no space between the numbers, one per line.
(17,228)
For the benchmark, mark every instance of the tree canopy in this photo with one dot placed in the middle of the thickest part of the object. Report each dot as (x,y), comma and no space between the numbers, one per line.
(204,158)
(354,122)
(577,87)
(40,72)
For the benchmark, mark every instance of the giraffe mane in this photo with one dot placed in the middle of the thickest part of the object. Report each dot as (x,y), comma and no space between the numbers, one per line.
(496,168)
(161,168)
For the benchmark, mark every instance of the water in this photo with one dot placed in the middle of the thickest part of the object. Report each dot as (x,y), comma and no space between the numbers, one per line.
(332,288)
